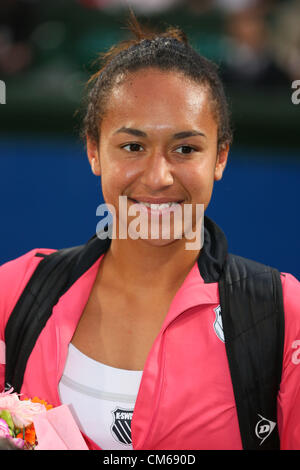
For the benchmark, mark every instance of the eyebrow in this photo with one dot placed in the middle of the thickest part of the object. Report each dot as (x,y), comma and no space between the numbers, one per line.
(178,135)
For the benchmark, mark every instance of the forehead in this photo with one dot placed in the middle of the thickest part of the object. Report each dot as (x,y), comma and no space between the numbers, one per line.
(159,97)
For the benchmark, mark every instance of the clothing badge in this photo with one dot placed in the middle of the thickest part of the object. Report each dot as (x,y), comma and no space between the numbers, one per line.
(263,428)
(121,427)
(218,325)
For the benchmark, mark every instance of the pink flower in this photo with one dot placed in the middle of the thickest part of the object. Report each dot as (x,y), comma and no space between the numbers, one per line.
(22,411)
(4,429)
(18,442)
(4,433)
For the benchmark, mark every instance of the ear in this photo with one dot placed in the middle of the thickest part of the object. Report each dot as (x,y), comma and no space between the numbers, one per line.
(221,161)
(93,155)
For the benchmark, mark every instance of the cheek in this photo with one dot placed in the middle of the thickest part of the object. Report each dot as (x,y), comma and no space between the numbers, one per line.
(116,178)
(198,179)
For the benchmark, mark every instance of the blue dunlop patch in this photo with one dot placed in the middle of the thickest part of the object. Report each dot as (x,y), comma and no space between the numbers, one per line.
(121,427)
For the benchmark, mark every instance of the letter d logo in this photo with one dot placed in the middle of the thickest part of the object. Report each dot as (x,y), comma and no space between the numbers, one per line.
(263,428)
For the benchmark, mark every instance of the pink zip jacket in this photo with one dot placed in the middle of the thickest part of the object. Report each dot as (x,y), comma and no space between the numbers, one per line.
(185,399)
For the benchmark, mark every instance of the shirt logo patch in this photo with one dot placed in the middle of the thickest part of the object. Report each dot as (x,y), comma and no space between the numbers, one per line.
(218,325)
(121,427)
(263,428)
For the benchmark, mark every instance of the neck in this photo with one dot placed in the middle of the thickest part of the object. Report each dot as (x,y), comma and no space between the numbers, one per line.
(143,268)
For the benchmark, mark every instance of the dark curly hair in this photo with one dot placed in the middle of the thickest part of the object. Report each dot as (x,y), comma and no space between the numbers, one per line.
(166,51)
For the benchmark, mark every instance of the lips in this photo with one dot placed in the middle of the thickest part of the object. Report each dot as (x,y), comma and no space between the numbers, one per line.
(156,201)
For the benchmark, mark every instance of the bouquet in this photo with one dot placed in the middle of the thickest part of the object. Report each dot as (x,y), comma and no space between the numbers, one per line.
(16,419)
(33,424)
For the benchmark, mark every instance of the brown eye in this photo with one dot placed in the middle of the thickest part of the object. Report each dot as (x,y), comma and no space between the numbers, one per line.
(133,147)
(186,149)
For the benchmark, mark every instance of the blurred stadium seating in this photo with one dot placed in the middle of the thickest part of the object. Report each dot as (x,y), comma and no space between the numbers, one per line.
(47,50)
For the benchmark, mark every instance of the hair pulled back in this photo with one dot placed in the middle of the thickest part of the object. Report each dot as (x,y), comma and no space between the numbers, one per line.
(167,51)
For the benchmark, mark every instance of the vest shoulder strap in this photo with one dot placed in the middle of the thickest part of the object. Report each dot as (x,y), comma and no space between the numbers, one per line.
(51,279)
(32,311)
(253,322)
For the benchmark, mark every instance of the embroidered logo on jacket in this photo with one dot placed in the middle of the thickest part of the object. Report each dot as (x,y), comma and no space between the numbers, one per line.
(263,428)
(218,325)
(121,427)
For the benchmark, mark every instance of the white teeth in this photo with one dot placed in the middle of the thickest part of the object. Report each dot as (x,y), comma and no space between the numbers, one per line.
(157,207)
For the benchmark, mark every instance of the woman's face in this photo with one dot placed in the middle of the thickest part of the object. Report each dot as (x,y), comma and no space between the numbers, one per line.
(158,141)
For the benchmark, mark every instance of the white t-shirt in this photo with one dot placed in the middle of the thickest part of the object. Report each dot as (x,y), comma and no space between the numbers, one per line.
(101,398)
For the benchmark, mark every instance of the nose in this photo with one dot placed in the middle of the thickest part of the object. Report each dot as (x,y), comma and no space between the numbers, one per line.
(157,172)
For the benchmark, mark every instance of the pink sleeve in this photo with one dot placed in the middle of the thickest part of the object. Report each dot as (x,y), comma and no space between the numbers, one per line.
(14,276)
(289,394)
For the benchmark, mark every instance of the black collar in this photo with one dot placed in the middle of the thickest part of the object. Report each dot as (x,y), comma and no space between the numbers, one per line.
(213,253)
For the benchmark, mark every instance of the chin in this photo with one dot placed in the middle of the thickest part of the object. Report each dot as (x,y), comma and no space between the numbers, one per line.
(158,241)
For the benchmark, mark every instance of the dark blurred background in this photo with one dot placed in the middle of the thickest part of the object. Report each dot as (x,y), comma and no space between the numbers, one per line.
(48,193)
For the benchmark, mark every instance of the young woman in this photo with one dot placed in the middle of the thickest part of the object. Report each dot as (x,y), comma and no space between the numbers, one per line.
(135,345)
